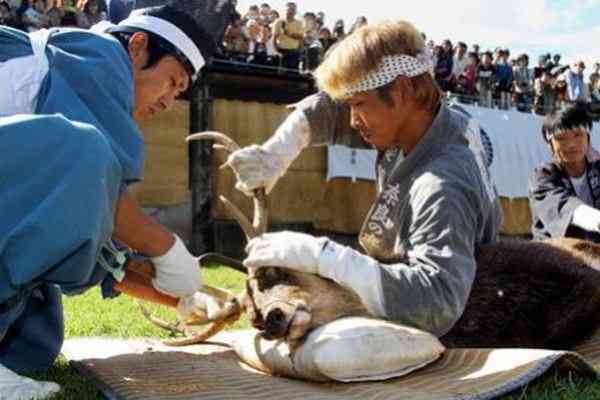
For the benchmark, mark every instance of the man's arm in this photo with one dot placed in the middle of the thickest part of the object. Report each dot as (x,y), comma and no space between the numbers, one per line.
(316,120)
(428,290)
(277,30)
(557,206)
(138,284)
(139,231)
(177,271)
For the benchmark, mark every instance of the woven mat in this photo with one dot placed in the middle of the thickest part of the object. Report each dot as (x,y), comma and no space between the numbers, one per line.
(145,369)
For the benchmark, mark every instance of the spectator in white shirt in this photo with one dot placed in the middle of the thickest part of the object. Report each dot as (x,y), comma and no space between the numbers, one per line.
(460,60)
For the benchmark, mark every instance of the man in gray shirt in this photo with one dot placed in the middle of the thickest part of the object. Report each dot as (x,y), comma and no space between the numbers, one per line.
(435,201)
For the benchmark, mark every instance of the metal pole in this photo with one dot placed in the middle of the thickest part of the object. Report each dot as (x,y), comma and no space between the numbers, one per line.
(200,159)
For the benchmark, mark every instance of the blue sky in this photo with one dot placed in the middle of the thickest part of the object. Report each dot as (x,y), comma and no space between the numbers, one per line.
(568,27)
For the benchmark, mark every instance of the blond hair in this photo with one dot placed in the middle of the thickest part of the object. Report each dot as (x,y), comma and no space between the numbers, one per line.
(361,53)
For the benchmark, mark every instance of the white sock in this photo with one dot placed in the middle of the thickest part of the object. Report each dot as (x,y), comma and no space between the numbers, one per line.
(16,387)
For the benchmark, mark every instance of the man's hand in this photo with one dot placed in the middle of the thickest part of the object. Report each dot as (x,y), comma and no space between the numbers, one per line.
(177,272)
(198,306)
(255,168)
(587,217)
(292,250)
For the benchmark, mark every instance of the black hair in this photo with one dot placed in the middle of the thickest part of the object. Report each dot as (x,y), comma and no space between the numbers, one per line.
(571,117)
(5,4)
(158,47)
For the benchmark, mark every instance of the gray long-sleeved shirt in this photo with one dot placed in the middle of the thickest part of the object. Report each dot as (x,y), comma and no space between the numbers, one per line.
(433,209)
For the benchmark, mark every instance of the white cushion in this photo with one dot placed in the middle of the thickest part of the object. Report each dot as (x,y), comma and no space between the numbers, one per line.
(350,349)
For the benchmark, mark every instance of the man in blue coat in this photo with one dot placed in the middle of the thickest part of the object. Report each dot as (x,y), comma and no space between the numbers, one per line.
(69,105)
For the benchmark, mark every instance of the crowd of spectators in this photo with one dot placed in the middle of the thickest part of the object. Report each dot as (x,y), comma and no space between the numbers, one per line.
(289,42)
(494,79)
(32,15)
(265,37)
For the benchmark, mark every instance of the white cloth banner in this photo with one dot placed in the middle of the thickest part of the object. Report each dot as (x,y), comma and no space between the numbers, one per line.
(346,162)
(517,148)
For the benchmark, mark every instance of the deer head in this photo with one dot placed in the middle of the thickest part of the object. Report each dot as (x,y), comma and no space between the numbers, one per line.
(279,302)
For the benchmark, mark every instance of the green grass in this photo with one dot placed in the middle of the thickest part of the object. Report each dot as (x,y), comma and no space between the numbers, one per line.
(89,315)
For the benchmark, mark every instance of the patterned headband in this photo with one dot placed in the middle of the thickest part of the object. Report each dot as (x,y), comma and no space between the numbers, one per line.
(390,68)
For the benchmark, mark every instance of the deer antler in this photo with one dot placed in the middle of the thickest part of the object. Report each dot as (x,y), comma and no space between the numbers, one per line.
(229,313)
(259,225)
(233,307)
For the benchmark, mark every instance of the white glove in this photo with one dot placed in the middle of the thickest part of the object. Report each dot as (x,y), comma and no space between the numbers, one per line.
(262,166)
(15,387)
(292,250)
(255,168)
(587,218)
(177,271)
(198,306)
(321,256)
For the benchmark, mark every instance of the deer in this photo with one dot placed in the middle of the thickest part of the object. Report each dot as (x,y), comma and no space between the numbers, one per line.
(527,294)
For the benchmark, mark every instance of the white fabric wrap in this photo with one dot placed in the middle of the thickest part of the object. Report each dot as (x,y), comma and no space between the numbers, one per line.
(22,77)
(15,387)
(352,349)
(198,305)
(262,166)
(171,33)
(356,272)
(177,271)
(587,218)
(389,69)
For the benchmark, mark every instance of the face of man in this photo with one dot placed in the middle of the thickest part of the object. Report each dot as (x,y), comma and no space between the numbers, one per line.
(578,68)
(523,62)
(290,11)
(378,122)
(93,6)
(4,12)
(571,147)
(39,6)
(55,17)
(156,87)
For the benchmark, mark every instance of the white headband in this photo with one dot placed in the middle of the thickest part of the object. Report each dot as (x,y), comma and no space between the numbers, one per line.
(171,33)
(389,69)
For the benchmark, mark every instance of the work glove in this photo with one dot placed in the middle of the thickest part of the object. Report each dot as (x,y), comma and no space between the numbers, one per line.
(198,306)
(297,251)
(321,256)
(255,167)
(177,272)
(262,166)
(587,218)
(15,387)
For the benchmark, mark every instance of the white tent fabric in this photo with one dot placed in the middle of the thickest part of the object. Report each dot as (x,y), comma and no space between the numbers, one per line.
(516,142)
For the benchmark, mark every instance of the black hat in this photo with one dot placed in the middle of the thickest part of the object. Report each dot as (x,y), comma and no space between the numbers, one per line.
(176,27)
